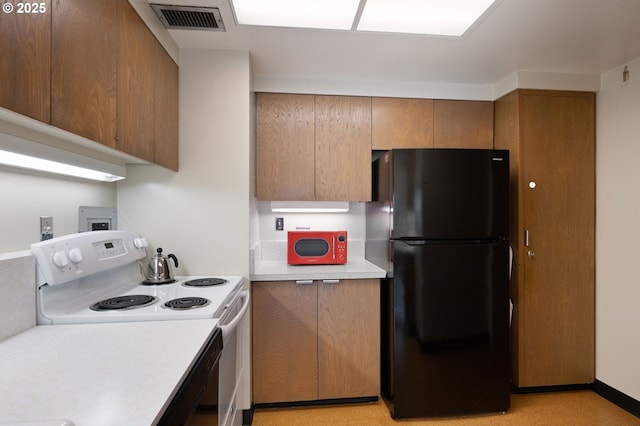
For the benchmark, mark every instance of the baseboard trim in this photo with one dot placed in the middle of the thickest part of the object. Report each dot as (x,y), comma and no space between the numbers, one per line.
(554,388)
(613,395)
(317,402)
(609,393)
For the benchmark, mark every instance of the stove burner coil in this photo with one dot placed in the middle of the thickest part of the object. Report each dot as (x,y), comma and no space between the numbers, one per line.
(123,302)
(204,282)
(187,303)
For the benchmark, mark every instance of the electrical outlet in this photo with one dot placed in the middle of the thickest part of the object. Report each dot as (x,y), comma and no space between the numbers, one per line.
(279,223)
(46,228)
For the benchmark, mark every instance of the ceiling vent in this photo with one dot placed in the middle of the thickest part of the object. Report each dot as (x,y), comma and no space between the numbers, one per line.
(189,17)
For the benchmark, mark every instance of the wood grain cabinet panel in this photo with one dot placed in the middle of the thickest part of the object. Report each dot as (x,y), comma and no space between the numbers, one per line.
(25,63)
(462,124)
(314,341)
(401,123)
(147,93)
(343,148)
(349,339)
(84,67)
(166,111)
(285,148)
(551,138)
(136,102)
(312,148)
(285,341)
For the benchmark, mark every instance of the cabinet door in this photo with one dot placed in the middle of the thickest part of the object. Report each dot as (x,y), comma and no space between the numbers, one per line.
(343,148)
(557,295)
(25,62)
(166,110)
(401,123)
(285,145)
(135,97)
(83,72)
(285,341)
(349,339)
(463,124)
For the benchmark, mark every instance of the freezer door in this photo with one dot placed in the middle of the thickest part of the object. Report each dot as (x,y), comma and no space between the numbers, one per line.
(450,193)
(450,329)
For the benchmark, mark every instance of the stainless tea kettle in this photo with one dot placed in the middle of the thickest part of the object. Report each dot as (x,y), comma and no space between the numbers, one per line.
(159,270)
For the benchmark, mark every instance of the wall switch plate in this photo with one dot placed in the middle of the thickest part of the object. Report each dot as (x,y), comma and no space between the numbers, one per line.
(46,228)
(279,223)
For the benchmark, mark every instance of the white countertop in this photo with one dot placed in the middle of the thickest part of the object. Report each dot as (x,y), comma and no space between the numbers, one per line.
(278,270)
(97,374)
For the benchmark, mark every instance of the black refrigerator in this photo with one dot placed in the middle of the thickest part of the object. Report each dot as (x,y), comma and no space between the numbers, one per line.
(439,225)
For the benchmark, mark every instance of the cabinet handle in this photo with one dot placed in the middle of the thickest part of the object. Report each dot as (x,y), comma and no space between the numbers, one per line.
(331,281)
(304,282)
(526,238)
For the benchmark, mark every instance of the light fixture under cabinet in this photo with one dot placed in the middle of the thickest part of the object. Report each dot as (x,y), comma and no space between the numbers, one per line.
(25,154)
(309,206)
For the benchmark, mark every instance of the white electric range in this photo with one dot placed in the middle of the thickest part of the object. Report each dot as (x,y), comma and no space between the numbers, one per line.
(96,277)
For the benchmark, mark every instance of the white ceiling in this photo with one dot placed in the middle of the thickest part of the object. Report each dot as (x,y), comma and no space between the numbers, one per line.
(565,36)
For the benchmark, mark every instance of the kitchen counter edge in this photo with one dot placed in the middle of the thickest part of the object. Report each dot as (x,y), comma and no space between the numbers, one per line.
(280,271)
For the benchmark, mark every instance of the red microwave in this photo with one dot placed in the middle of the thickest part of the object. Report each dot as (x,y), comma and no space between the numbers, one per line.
(316,247)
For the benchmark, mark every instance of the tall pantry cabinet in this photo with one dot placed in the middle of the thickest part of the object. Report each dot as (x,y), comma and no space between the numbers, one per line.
(551,138)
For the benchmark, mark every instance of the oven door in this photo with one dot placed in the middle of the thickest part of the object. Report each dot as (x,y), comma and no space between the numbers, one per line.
(224,395)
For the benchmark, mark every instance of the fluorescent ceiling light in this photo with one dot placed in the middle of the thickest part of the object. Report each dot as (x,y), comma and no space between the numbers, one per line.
(25,154)
(326,14)
(436,17)
(433,17)
(309,206)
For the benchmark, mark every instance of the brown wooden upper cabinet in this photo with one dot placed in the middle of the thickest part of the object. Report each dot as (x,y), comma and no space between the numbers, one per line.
(401,123)
(84,68)
(462,124)
(165,110)
(25,63)
(427,123)
(95,70)
(313,147)
(136,82)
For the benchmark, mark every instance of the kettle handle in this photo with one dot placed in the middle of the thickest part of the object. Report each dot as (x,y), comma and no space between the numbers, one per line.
(175,259)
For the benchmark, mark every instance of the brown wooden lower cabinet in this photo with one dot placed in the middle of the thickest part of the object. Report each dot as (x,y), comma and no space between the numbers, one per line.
(315,340)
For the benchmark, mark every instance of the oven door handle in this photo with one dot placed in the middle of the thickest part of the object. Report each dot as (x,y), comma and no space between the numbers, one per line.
(228,325)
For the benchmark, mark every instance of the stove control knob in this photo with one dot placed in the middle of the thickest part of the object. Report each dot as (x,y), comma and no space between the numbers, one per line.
(75,255)
(140,242)
(60,259)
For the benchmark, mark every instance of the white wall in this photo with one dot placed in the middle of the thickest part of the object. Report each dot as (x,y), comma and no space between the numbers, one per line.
(618,231)
(25,196)
(200,214)
(353,222)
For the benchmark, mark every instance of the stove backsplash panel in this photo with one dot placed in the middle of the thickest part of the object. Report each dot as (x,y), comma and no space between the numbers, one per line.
(17,293)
